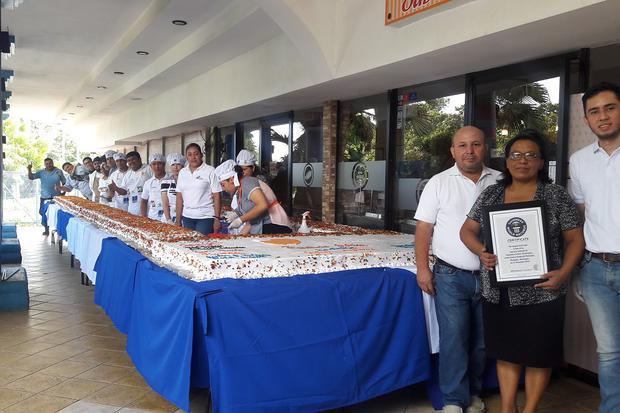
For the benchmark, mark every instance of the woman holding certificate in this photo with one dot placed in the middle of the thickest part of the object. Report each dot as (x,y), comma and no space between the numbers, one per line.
(523,318)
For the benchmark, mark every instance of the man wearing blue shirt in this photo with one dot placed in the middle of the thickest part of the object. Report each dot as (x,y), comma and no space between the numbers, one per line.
(50,176)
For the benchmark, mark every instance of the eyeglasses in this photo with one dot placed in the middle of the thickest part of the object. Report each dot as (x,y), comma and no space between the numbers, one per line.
(529,156)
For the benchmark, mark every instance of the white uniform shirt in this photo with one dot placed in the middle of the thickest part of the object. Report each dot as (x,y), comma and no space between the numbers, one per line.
(79,180)
(92,182)
(120,201)
(104,191)
(133,183)
(445,202)
(152,194)
(595,182)
(169,189)
(197,188)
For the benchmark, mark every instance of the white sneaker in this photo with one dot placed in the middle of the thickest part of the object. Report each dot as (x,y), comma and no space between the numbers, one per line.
(476,405)
(451,408)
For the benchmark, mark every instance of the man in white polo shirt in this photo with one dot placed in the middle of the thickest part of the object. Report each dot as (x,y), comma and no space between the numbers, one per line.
(455,278)
(198,194)
(133,182)
(595,187)
(121,201)
(151,194)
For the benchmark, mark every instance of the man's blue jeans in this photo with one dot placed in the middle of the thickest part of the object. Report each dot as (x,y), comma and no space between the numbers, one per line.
(461,336)
(599,285)
(204,226)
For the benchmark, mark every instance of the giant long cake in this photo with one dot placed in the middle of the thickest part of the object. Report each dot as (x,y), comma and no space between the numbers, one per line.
(198,257)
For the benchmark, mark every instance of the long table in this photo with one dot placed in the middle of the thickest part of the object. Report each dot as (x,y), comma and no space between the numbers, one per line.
(301,343)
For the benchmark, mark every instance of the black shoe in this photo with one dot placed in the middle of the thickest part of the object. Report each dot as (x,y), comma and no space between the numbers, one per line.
(46,232)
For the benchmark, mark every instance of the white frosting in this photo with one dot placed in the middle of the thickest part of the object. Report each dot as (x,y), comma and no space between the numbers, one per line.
(209,259)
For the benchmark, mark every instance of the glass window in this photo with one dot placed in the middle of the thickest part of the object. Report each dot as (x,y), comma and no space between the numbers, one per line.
(275,151)
(362,142)
(227,142)
(506,107)
(426,118)
(308,162)
(251,137)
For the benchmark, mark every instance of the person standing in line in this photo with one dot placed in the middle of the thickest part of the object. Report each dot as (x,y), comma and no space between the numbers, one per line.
(77,178)
(595,186)
(105,194)
(93,178)
(175,161)
(109,159)
(121,201)
(151,205)
(455,278)
(199,199)
(50,177)
(133,182)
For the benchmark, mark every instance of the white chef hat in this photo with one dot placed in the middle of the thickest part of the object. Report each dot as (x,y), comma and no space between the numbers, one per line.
(109,154)
(119,156)
(156,157)
(227,170)
(245,158)
(175,158)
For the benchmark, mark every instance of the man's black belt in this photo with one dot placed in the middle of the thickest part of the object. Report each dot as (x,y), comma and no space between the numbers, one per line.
(447,264)
(606,256)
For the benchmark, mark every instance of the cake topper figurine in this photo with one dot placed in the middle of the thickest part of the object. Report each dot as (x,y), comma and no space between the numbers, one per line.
(303,228)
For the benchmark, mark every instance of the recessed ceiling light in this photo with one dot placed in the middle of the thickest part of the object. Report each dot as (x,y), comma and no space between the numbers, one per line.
(102,87)
(80,106)
(119,73)
(89,98)
(179,22)
(142,52)
(136,98)
(70,113)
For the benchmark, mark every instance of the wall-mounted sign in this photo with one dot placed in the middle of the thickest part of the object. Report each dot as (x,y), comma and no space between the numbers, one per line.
(397,10)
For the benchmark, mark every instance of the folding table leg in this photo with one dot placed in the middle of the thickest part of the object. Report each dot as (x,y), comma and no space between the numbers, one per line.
(59,245)
(72,261)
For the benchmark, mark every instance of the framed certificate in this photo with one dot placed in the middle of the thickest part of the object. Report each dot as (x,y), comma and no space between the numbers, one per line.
(516,233)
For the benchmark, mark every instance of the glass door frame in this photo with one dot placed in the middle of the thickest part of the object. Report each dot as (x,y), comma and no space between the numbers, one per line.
(554,66)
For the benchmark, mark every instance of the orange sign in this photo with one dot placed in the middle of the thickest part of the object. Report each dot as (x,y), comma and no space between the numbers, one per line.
(396,10)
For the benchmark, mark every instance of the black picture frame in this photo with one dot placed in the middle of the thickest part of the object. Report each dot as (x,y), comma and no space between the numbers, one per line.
(496,281)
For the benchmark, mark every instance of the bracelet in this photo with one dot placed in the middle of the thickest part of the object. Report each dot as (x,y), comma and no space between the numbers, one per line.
(216,217)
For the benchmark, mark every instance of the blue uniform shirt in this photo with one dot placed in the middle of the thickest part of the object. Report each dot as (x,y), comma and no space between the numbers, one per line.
(48,180)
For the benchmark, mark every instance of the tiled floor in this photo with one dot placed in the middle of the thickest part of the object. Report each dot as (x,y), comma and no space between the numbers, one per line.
(65,355)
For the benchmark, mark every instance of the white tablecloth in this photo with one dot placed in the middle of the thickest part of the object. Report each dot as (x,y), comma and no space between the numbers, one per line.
(51,213)
(84,242)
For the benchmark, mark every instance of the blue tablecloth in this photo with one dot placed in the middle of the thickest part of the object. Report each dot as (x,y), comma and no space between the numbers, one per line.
(302,343)
(62,221)
(116,272)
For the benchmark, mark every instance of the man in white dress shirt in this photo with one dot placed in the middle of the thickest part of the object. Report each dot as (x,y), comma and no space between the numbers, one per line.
(595,187)
(455,278)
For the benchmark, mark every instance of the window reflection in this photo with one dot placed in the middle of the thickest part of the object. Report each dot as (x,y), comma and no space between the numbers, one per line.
(361,162)
(427,117)
(308,162)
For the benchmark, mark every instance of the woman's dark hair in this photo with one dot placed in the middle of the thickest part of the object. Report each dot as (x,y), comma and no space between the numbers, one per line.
(536,137)
(239,171)
(193,145)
